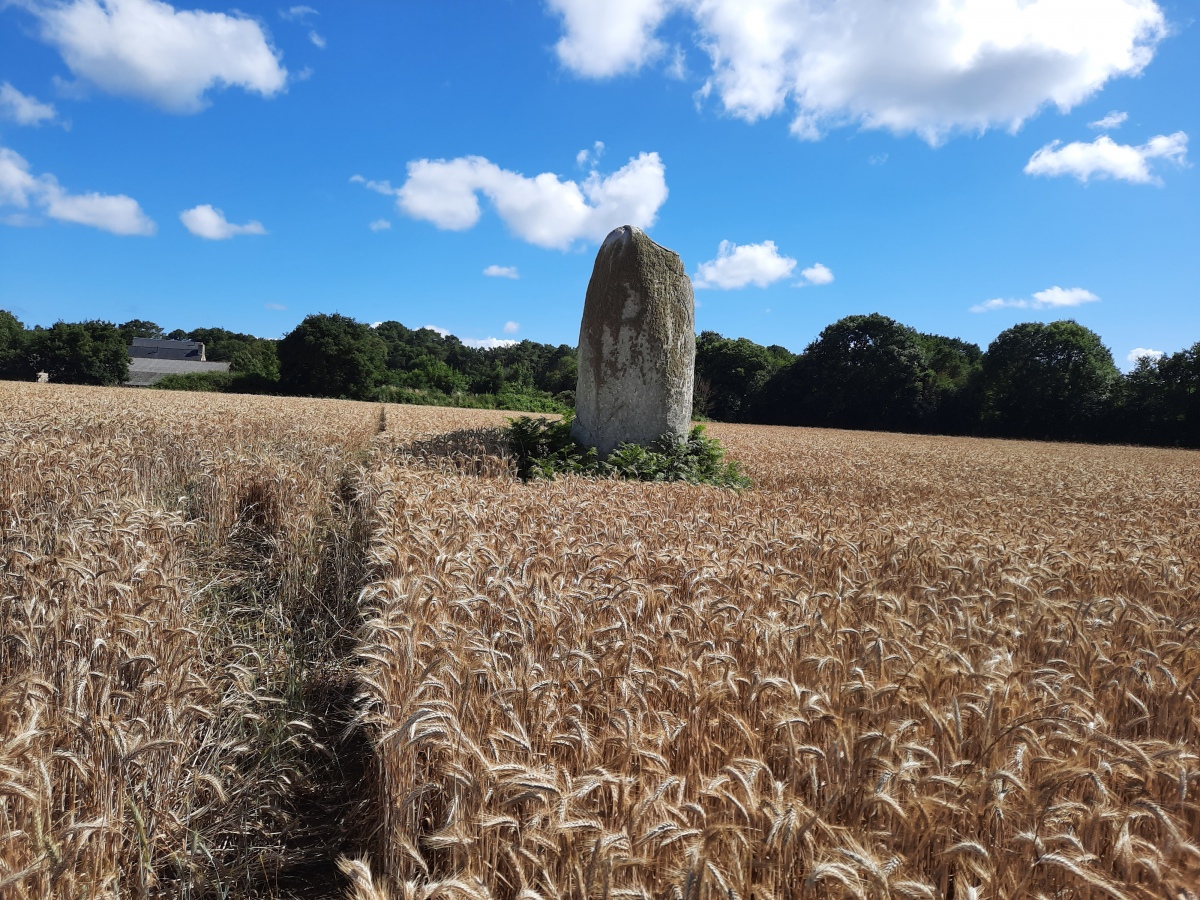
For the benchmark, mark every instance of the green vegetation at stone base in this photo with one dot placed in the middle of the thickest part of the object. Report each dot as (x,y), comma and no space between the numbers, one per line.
(544,448)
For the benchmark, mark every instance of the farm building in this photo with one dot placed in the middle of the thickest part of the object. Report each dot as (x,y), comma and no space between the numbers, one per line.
(151,360)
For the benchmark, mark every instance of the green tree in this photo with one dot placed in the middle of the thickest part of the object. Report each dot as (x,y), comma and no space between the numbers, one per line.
(13,343)
(332,356)
(861,372)
(1053,381)
(92,352)
(954,390)
(259,358)
(220,344)
(1161,401)
(139,328)
(730,374)
(434,374)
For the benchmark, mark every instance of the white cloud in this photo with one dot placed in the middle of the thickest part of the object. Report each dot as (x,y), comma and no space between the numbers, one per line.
(1104,158)
(148,49)
(444,332)
(114,213)
(1113,120)
(604,39)
(208,223)
(317,40)
(502,272)
(380,225)
(817,274)
(276,307)
(677,68)
(379,187)
(590,157)
(542,210)
(1058,297)
(298,13)
(737,266)
(1139,353)
(511,327)
(932,67)
(1051,298)
(23,109)
(16,182)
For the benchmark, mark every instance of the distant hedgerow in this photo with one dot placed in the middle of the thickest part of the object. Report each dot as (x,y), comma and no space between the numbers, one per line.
(544,448)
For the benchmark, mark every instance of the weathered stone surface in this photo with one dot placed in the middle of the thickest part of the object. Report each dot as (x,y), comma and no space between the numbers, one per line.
(637,345)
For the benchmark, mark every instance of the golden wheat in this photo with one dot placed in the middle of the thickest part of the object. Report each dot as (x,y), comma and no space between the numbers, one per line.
(898,667)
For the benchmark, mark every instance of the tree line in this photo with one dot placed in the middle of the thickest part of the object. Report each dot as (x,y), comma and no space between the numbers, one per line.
(1054,381)
(326,355)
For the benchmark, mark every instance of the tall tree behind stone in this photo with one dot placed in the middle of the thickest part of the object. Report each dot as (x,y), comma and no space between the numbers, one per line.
(637,345)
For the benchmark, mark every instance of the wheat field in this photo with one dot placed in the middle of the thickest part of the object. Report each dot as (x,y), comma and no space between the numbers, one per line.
(278,647)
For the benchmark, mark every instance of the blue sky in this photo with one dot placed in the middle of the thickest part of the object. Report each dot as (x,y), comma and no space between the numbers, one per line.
(959,165)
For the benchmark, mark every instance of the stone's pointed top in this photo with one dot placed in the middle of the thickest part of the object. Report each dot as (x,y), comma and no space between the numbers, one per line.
(621,235)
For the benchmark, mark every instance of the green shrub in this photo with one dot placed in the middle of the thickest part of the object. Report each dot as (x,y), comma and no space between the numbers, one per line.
(218,383)
(545,448)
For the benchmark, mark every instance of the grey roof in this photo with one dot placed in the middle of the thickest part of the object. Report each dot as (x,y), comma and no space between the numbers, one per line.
(145,372)
(152,348)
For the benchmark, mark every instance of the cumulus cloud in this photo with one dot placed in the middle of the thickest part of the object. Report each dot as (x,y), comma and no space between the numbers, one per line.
(380,225)
(150,50)
(511,327)
(208,223)
(1051,298)
(1140,353)
(114,213)
(543,210)
(925,66)
(502,272)
(1113,120)
(738,266)
(1104,158)
(604,39)
(817,274)
(23,109)
(444,332)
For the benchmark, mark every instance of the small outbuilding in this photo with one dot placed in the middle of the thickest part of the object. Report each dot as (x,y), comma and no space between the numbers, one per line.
(151,360)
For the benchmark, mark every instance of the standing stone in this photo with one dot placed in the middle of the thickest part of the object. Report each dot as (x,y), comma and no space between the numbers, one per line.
(637,345)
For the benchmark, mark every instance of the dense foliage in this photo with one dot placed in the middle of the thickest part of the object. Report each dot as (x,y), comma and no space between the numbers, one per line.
(91,352)
(332,356)
(1054,381)
(544,448)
